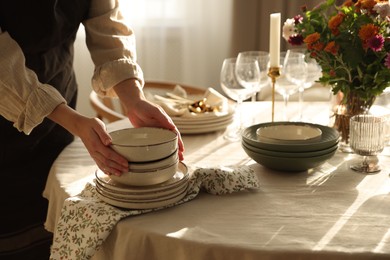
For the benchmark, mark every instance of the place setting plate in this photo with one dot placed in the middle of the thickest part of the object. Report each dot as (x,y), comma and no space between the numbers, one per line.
(326,139)
(208,117)
(148,197)
(189,122)
(204,129)
(288,133)
(142,205)
(180,178)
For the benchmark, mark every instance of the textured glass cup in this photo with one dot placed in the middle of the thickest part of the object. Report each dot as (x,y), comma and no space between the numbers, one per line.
(367,138)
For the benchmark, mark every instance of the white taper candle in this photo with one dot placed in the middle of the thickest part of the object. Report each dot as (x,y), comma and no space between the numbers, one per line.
(274,40)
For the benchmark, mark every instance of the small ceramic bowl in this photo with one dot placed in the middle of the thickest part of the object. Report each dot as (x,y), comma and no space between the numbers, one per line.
(144,144)
(156,176)
(154,165)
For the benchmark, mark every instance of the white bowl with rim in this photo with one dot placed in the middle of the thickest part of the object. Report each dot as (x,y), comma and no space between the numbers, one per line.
(144,144)
(154,165)
(144,178)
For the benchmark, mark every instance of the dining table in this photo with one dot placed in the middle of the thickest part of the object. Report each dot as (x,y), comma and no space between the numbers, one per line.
(328,212)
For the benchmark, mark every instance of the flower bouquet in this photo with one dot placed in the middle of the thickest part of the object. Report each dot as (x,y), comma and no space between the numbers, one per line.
(351,44)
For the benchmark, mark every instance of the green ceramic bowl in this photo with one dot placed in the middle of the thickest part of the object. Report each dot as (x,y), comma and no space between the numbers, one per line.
(289,164)
(328,138)
(290,154)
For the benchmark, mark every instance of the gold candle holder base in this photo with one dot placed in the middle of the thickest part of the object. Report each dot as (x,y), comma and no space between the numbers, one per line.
(273,73)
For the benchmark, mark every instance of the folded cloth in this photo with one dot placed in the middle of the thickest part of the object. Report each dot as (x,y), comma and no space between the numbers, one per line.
(178,106)
(86,221)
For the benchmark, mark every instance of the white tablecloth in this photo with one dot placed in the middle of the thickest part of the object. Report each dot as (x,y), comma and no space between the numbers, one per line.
(326,213)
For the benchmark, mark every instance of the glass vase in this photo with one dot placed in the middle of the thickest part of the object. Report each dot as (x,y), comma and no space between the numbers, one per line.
(349,105)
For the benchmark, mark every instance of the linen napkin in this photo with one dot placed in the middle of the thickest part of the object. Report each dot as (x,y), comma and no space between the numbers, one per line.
(86,221)
(178,106)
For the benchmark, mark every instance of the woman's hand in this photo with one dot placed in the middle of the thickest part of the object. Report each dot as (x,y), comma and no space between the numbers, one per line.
(143,113)
(92,132)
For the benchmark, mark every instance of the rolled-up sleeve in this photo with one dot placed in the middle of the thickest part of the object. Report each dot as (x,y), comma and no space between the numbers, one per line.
(23,99)
(111,43)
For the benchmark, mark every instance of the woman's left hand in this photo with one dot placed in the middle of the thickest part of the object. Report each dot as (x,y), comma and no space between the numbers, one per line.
(143,113)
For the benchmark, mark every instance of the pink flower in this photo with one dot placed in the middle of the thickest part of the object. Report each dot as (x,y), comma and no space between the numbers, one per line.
(298,19)
(387,60)
(376,43)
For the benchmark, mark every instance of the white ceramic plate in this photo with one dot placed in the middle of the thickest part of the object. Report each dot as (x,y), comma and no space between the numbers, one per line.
(205,117)
(158,196)
(288,133)
(203,129)
(148,177)
(208,125)
(180,176)
(182,121)
(142,205)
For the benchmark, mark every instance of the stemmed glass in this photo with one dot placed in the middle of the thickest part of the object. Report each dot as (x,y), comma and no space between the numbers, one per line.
(293,75)
(248,72)
(262,58)
(234,90)
(367,138)
(314,72)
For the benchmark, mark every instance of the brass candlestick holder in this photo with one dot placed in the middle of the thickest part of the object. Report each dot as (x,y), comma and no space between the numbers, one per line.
(273,73)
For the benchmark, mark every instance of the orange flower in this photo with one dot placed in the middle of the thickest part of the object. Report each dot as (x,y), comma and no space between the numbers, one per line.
(332,47)
(348,3)
(334,23)
(312,41)
(312,38)
(368,31)
(318,46)
(366,4)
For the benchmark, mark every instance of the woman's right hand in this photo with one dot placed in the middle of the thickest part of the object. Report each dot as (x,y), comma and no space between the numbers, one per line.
(93,133)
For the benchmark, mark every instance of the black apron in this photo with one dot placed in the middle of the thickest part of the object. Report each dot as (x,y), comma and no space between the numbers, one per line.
(45,30)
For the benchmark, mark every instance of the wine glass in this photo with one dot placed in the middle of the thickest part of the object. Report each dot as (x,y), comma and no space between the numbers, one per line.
(262,58)
(234,90)
(314,72)
(367,138)
(293,75)
(248,72)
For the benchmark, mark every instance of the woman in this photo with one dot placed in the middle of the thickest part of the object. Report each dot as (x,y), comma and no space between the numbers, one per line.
(38,93)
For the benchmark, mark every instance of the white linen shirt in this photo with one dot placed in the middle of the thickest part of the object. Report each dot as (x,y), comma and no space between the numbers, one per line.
(26,102)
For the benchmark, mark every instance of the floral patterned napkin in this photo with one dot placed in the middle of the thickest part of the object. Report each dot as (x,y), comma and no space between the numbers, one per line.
(86,221)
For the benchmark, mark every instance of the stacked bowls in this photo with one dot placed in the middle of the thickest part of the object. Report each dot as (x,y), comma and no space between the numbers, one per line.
(290,146)
(154,169)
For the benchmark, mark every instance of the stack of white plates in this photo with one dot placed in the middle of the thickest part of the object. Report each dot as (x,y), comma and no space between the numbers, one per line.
(204,122)
(290,146)
(143,197)
(193,123)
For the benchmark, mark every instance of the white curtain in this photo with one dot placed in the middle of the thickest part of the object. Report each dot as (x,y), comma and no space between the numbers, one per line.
(181,40)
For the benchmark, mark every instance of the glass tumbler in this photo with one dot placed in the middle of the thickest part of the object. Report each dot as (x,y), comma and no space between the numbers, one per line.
(367,138)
